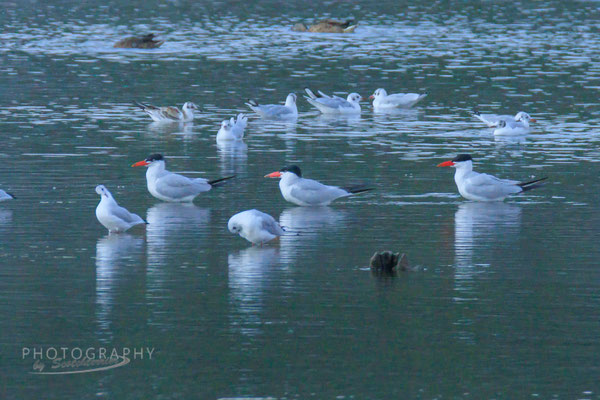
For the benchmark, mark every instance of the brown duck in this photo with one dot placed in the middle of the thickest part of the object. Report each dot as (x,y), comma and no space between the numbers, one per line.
(139,42)
(327,26)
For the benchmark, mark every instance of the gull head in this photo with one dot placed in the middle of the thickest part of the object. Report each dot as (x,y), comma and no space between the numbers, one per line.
(378,93)
(226,125)
(102,191)
(523,116)
(188,105)
(354,98)
(290,99)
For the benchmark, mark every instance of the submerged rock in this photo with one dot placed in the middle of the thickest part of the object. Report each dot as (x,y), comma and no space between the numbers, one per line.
(139,42)
(327,26)
(387,262)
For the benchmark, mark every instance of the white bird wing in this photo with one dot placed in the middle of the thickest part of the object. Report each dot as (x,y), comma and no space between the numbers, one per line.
(492,120)
(330,102)
(488,186)
(269,224)
(273,110)
(313,192)
(402,98)
(178,186)
(4,195)
(124,215)
(171,113)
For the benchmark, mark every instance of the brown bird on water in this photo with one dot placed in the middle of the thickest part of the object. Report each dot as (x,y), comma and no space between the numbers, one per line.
(139,42)
(327,26)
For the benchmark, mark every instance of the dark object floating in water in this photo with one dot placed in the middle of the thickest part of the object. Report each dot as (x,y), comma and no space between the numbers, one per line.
(327,26)
(139,42)
(386,262)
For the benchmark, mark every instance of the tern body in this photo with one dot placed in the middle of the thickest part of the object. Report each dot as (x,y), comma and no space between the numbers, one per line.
(334,104)
(5,195)
(171,187)
(169,114)
(114,217)
(483,187)
(255,226)
(276,111)
(384,101)
(232,130)
(307,192)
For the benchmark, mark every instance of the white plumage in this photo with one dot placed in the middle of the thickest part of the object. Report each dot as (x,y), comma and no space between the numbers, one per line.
(383,101)
(232,130)
(255,226)
(276,111)
(334,104)
(114,217)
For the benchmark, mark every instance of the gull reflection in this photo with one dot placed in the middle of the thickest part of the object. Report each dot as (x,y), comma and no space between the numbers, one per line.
(479,228)
(171,128)
(233,156)
(168,223)
(5,217)
(305,225)
(249,273)
(115,257)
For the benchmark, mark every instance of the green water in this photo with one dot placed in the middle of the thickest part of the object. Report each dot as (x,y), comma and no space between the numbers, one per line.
(504,304)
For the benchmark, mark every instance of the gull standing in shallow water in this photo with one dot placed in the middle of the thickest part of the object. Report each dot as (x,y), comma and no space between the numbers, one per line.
(276,111)
(308,192)
(483,187)
(169,114)
(114,217)
(384,101)
(168,186)
(6,196)
(492,120)
(334,104)
(232,130)
(255,226)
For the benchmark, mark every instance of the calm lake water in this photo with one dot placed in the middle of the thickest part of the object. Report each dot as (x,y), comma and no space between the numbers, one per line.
(505,303)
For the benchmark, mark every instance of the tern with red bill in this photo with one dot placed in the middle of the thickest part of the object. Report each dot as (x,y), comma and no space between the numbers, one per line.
(169,114)
(483,187)
(384,101)
(114,217)
(171,187)
(255,226)
(308,192)
(334,104)
(276,111)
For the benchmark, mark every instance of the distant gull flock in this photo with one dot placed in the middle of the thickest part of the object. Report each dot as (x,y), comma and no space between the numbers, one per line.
(256,226)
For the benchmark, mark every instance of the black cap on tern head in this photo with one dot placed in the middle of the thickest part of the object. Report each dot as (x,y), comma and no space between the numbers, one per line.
(293,169)
(154,157)
(462,157)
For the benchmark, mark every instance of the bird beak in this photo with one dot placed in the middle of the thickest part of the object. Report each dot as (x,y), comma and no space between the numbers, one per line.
(446,164)
(371,97)
(275,174)
(142,163)
(532,120)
